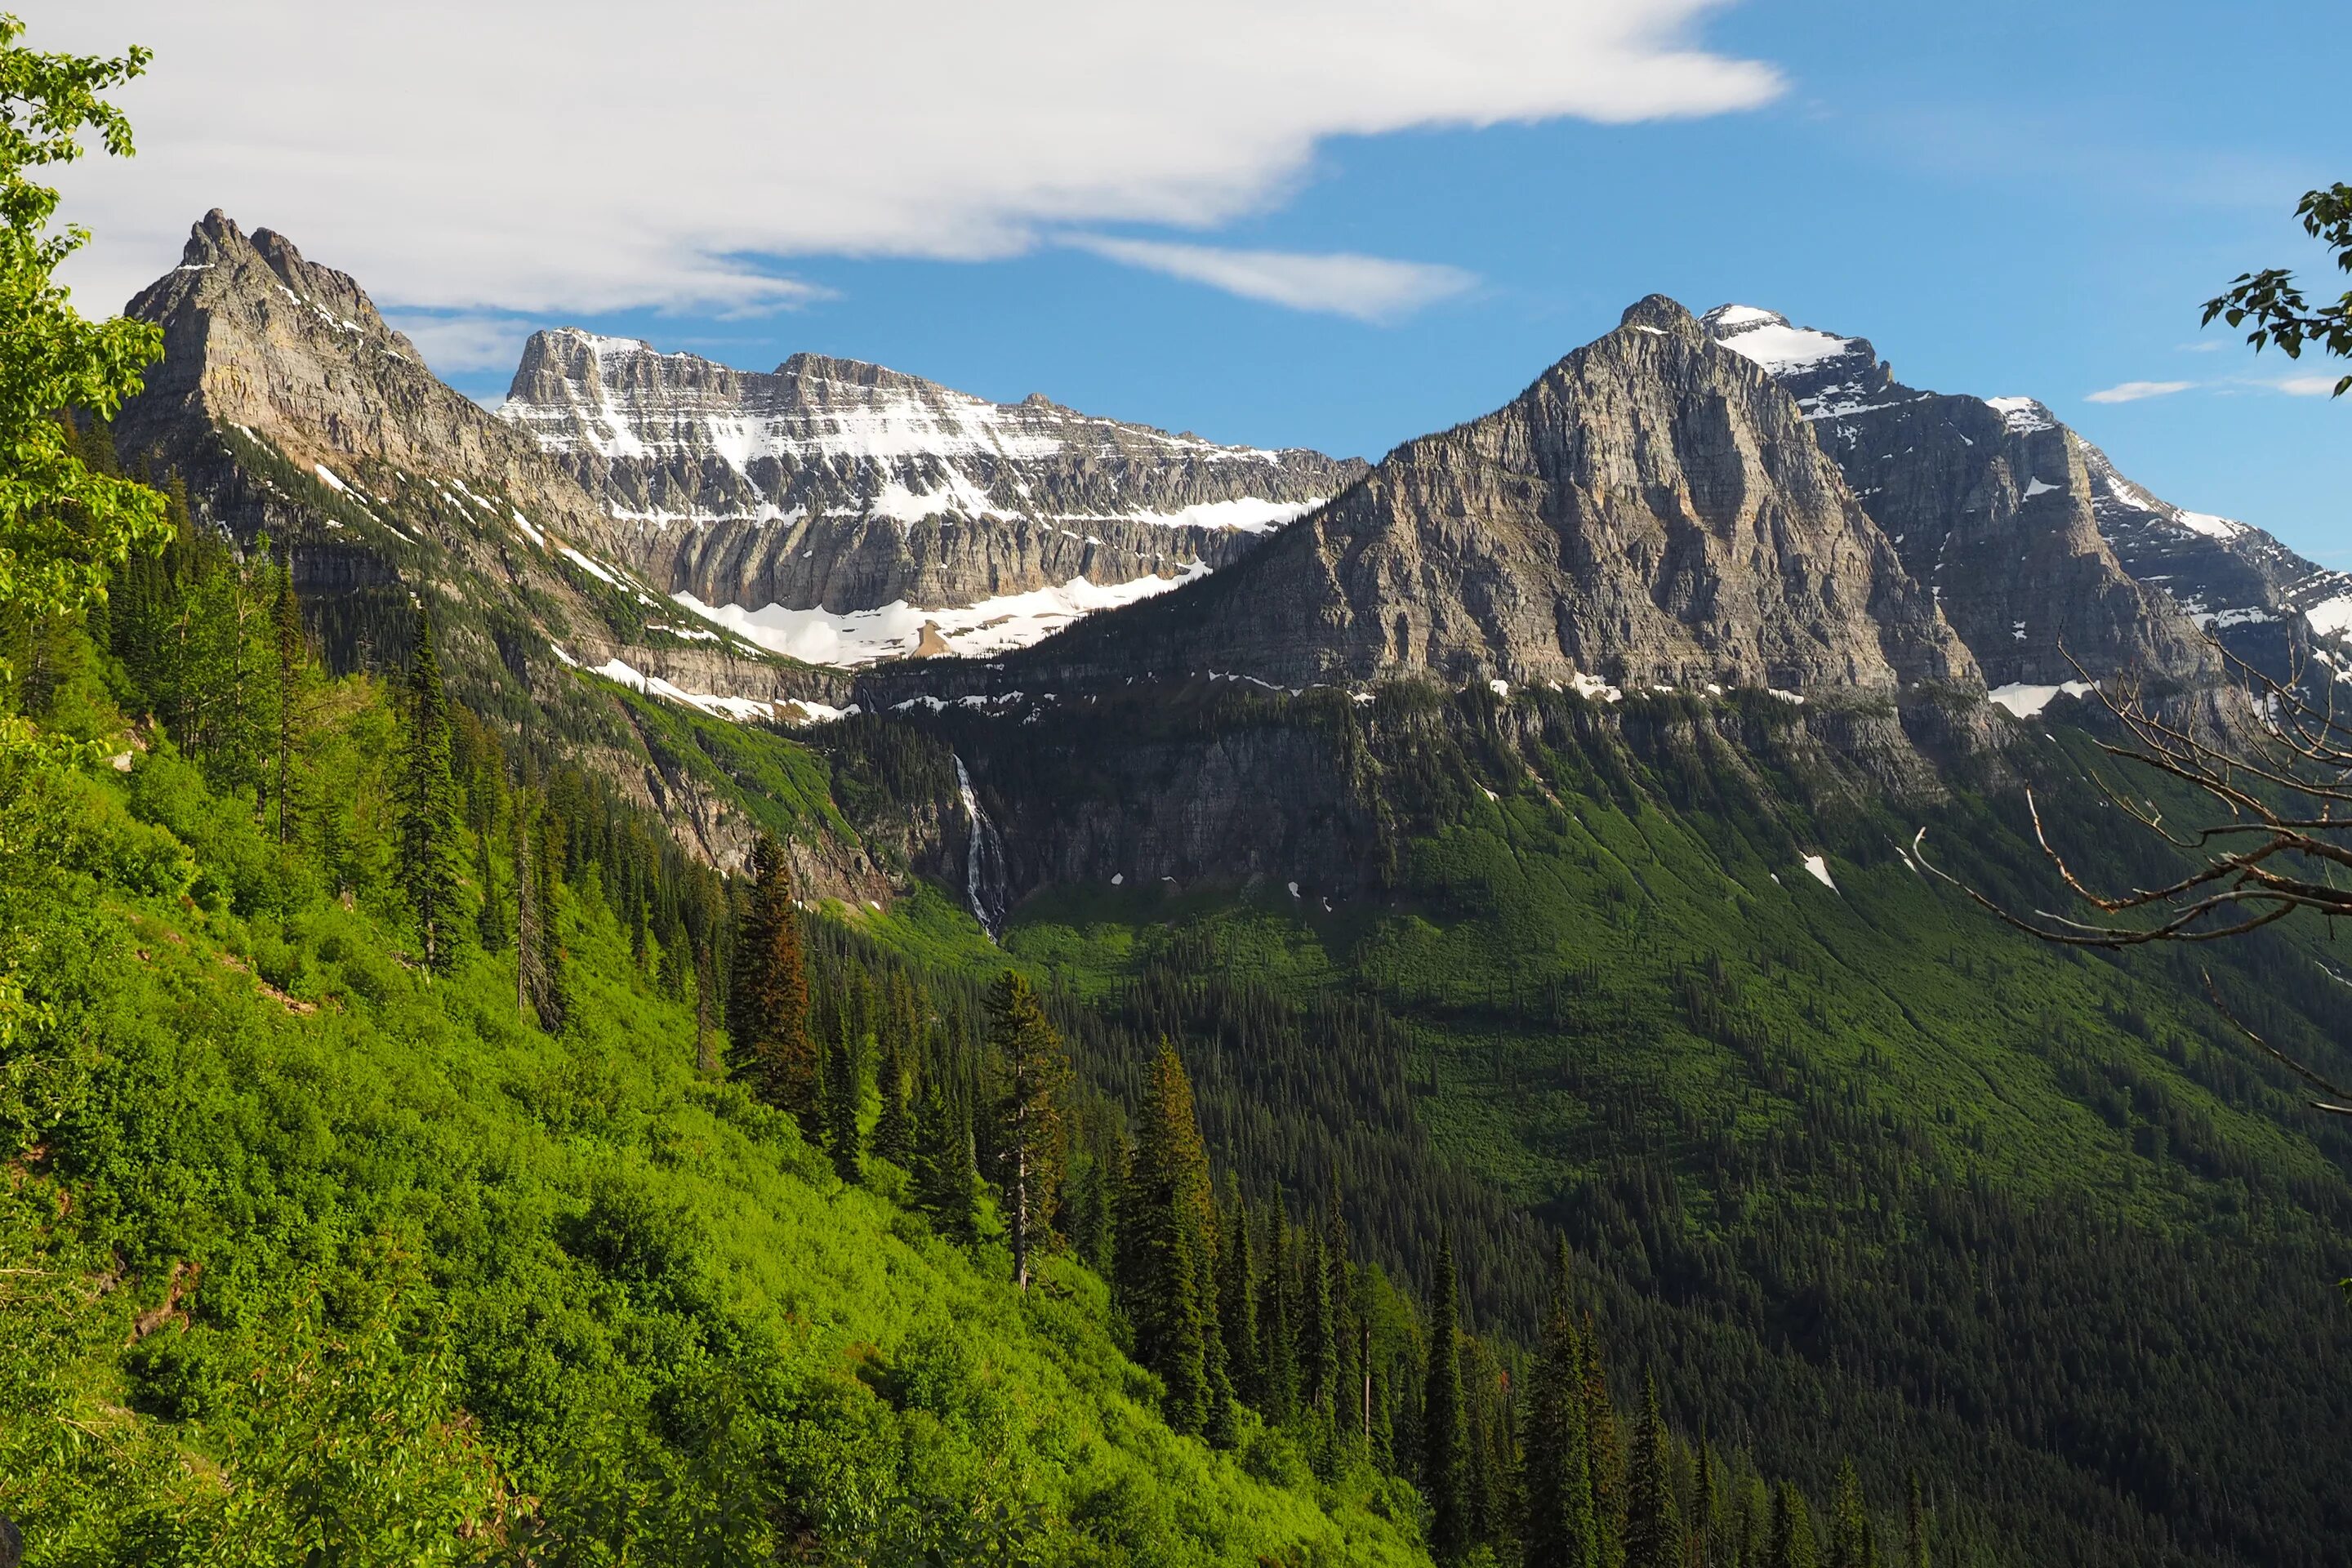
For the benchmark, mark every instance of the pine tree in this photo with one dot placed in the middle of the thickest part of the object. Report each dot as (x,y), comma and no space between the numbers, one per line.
(1167,1247)
(768,1012)
(431,832)
(1277,1358)
(1347,1390)
(1915,1527)
(845,1096)
(1237,1308)
(539,947)
(1031,1071)
(1558,1477)
(1443,1438)
(894,1128)
(1654,1534)
(1849,1543)
(1793,1545)
(945,1181)
(286,623)
(1318,1357)
(706,1055)
(1607,1456)
(1712,1541)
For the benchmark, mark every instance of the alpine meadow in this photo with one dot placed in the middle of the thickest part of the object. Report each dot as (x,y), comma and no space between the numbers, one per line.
(1729,963)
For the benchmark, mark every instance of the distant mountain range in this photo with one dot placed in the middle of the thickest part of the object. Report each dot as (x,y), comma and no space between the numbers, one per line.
(1652,512)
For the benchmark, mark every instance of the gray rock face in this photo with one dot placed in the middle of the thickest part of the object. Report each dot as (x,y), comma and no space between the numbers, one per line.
(2026,531)
(829,484)
(287,407)
(1989,503)
(1652,512)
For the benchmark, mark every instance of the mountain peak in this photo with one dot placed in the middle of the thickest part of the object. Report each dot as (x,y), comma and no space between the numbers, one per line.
(1659,313)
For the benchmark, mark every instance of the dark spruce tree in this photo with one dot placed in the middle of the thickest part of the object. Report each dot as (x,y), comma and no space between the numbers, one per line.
(1166,1247)
(1793,1544)
(1557,1480)
(893,1126)
(768,1006)
(431,828)
(1032,1070)
(1653,1531)
(1444,1438)
(946,1183)
(1608,1456)
(1850,1542)
(844,1098)
(1237,1306)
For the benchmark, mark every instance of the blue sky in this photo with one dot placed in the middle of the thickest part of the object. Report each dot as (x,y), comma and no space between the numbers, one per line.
(2005,197)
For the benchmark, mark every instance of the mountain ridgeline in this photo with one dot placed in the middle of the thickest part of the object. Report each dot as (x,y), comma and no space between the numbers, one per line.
(1516,840)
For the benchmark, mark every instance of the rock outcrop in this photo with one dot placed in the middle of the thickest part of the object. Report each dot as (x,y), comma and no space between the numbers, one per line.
(1653,512)
(838,488)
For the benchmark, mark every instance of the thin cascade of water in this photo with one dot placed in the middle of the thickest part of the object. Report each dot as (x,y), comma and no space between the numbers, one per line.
(983,859)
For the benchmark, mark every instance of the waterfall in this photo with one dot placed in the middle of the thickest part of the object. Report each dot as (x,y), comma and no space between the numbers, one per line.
(983,859)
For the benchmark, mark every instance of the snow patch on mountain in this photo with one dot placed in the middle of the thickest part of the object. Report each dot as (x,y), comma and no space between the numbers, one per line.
(900,630)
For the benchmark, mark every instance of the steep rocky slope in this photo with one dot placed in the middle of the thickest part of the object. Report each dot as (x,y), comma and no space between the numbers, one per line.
(842,511)
(289,408)
(2026,532)
(1651,513)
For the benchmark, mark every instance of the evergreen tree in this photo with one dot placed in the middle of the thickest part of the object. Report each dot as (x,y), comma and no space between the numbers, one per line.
(1238,1307)
(1915,1527)
(845,1096)
(1167,1246)
(539,947)
(1443,1438)
(706,1055)
(1713,1541)
(1031,1071)
(1346,1369)
(1277,1356)
(1793,1545)
(1318,1349)
(1850,1536)
(1654,1534)
(894,1128)
(1558,1477)
(946,1185)
(768,1012)
(431,832)
(286,625)
(1607,1456)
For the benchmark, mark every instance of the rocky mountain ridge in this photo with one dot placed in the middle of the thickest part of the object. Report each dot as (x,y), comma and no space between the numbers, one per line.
(842,512)
(2039,551)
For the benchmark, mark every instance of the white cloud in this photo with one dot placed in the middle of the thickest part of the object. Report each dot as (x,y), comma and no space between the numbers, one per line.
(2305,385)
(2133,391)
(1369,288)
(585,155)
(454,344)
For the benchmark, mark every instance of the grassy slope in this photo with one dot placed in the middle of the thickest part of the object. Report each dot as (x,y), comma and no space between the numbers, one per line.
(1617,975)
(561,1273)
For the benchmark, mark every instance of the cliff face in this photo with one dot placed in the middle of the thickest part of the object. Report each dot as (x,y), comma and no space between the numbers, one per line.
(2030,539)
(288,407)
(839,489)
(1653,512)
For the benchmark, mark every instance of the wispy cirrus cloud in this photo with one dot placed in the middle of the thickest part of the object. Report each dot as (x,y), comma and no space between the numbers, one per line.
(565,156)
(1367,288)
(2304,386)
(2134,391)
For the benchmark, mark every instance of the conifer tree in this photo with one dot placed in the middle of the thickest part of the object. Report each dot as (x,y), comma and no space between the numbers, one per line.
(1278,1350)
(1607,1456)
(1238,1307)
(1793,1544)
(706,1055)
(1443,1438)
(1713,1543)
(1850,1536)
(1318,1357)
(845,1096)
(1167,1246)
(286,624)
(1654,1534)
(945,1181)
(1347,1414)
(538,946)
(768,1012)
(1915,1527)
(1558,1481)
(431,831)
(894,1128)
(1031,1070)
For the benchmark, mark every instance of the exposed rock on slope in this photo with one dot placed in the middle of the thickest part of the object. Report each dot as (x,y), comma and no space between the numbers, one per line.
(289,408)
(1652,512)
(2026,532)
(837,488)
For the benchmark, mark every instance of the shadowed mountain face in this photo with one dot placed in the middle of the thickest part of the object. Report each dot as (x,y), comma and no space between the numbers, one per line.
(2041,554)
(1653,512)
(839,487)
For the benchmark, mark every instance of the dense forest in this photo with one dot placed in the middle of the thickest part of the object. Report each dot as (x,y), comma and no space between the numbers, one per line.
(414,1156)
